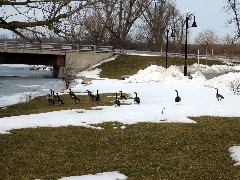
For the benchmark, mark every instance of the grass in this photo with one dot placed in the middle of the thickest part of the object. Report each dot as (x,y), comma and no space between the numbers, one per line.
(129,65)
(236,63)
(139,151)
(40,105)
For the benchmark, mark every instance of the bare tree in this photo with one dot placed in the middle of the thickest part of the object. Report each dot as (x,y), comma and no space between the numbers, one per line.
(230,48)
(156,19)
(69,74)
(207,38)
(4,36)
(117,18)
(95,26)
(233,6)
(234,86)
(100,22)
(227,39)
(53,15)
(160,16)
(177,24)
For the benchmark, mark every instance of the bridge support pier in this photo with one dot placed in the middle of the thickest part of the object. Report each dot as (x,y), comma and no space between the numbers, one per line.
(55,70)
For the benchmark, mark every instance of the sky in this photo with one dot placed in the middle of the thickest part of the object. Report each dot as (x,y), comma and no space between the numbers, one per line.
(209,14)
(156,88)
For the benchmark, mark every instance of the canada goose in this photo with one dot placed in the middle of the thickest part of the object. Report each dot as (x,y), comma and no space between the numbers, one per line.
(75,98)
(136,99)
(117,102)
(219,96)
(92,97)
(59,100)
(50,100)
(97,97)
(177,99)
(51,92)
(189,76)
(71,93)
(54,96)
(121,96)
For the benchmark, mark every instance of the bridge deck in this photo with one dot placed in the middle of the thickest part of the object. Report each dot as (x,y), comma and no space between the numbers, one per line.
(49,48)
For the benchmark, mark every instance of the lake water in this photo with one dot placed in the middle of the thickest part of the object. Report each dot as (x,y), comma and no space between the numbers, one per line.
(17,82)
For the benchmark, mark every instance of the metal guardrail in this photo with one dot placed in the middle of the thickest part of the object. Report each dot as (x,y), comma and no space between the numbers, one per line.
(153,53)
(53,46)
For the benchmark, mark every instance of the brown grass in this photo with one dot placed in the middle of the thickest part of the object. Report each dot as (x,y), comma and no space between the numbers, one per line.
(140,151)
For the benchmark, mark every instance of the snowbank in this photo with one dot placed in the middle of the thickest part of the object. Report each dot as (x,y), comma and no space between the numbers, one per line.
(223,80)
(218,69)
(159,74)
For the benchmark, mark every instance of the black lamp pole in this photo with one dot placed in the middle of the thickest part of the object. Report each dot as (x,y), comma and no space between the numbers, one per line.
(185,64)
(193,25)
(167,50)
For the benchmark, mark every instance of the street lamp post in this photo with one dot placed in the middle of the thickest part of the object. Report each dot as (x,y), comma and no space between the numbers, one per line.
(172,35)
(193,25)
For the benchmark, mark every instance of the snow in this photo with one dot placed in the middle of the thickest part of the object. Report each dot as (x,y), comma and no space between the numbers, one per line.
(223,81)
(156,73)
(90,74)
(98,176)
(15,65)
(214,68)
(156,87)
(235,150)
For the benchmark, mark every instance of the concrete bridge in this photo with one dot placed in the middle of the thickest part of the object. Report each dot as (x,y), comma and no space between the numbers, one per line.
(52,54)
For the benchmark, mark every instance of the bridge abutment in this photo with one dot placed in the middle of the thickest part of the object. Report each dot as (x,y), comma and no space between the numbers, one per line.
(78,61)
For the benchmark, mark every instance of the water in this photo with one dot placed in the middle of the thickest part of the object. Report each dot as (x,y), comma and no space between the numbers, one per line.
(17,82)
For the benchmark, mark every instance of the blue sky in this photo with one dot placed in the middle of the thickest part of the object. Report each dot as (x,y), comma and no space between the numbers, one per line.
(209,14)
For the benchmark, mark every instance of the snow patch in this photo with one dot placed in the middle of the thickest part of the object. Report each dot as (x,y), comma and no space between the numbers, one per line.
(99,176)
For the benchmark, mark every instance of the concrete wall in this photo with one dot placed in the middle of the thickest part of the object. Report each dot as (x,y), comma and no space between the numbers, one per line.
(83,60)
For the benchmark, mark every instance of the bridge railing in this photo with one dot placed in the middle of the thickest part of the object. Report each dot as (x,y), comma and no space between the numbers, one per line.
(53,46)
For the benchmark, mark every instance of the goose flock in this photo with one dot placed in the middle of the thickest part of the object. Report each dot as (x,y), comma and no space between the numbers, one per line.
(55,99)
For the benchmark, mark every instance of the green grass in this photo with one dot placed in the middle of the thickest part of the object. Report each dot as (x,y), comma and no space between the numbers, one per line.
(129,65)
(140,151)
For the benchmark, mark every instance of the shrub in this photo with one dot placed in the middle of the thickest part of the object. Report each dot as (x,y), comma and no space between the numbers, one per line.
(235,86)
